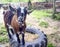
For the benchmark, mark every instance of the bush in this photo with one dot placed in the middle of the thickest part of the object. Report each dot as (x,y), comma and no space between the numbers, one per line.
(43,24)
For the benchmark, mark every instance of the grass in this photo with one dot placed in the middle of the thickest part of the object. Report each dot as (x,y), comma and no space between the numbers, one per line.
(41,0)
(3,39)
(57,16)
(6,1)
(40,13)
(3,34)
(50,45)
(53,39)
(43,24)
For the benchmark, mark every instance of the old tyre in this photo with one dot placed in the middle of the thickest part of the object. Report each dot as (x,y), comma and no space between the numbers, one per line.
(41,41)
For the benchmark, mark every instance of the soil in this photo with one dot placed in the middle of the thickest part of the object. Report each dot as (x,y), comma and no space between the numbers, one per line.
(30,37)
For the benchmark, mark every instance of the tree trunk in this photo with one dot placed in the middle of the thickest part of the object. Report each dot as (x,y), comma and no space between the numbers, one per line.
(54,8)
(29,5)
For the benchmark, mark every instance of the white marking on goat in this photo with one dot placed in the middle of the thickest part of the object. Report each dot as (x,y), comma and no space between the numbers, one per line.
(14,37)
(22,9)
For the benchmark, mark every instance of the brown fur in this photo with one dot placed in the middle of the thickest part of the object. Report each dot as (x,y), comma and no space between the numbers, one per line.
(15,24)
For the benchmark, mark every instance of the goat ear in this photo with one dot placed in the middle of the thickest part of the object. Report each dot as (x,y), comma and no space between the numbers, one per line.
(5,6)
(12,9)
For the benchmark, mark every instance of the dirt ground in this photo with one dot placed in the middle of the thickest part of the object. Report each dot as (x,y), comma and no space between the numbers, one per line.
(52,24)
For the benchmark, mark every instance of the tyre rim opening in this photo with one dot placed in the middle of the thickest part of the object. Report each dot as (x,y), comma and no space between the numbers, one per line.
(30,37)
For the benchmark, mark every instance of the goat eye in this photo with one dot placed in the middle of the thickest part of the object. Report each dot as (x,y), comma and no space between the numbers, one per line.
(4,12)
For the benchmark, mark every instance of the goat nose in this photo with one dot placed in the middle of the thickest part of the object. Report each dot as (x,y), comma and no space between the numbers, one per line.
(22,24)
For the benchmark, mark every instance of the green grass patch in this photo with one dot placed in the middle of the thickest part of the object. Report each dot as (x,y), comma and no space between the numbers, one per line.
(40,13)
(41,0)
(2,30)
(57,16)
(44,24)
(50,45)
(3,34)
(23,0)
(6,1)
(3,39)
